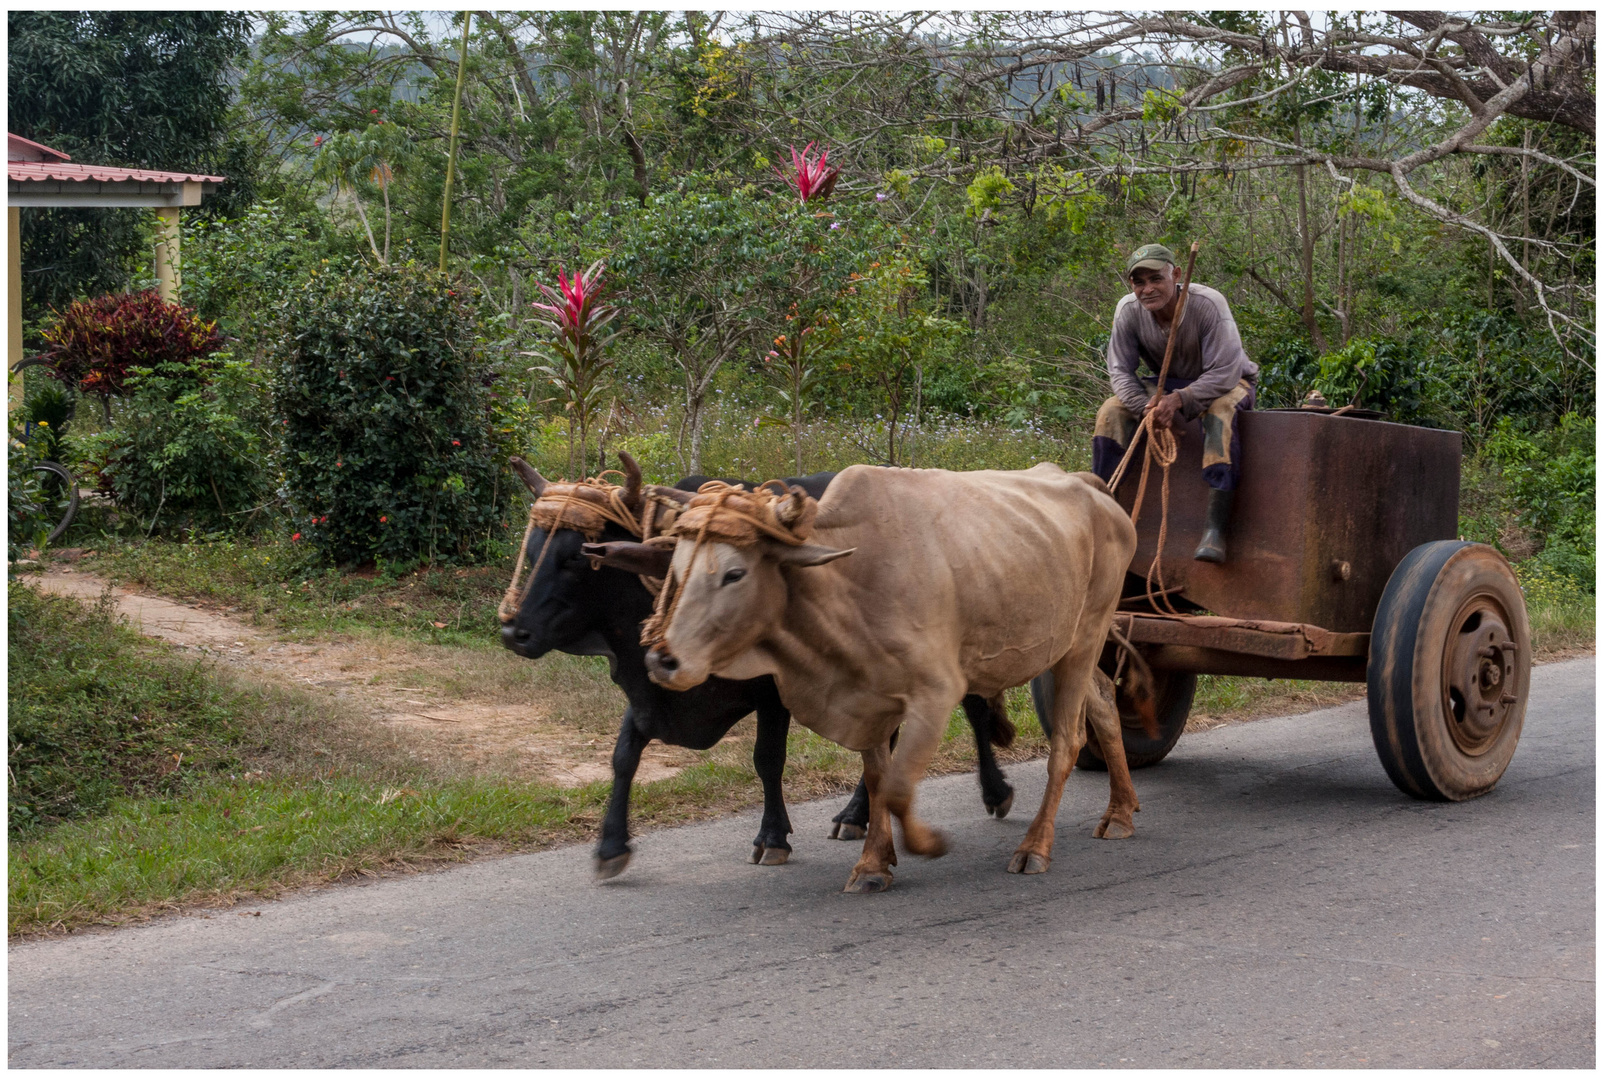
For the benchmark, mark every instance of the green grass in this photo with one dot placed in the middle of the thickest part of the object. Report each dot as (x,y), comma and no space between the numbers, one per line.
(94,714)
(268,582)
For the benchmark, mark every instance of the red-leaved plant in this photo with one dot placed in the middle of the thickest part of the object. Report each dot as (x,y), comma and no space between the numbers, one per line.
(94,342)
(579,363)
(810,177)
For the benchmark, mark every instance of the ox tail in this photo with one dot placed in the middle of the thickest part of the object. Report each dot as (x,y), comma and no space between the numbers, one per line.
(1002,728)
(1139,685)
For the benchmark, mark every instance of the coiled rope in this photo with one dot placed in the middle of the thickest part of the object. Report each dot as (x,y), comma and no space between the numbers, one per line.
(1161,446)
(724,513)
(586,506)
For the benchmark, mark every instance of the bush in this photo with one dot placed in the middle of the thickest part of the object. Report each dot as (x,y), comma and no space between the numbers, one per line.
(26,523)
(1551,477)
(1385,374)
(95,343)
(94,715)
(186,449)
(382,399)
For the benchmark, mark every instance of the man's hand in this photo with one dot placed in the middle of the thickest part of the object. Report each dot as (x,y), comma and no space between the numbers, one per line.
(1166,410)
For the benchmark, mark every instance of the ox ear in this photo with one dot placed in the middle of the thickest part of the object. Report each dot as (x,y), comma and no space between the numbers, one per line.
(652,560)
(808,554)
(526,472)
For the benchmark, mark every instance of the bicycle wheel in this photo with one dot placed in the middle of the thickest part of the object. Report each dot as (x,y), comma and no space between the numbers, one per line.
(58,496)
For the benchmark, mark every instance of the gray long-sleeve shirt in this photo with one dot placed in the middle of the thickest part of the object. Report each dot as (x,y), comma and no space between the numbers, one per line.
(1208,351)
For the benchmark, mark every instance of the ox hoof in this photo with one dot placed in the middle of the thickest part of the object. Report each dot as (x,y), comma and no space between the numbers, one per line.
(846,831)
(878,881)
(1115,828)
(771,856)
(1028,862)
(1000,811)
(611,868)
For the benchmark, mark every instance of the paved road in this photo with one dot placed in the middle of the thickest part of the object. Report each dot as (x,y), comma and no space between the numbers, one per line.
(1280,904)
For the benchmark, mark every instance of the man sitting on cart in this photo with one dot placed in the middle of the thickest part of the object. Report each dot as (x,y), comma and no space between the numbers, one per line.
(1210,376)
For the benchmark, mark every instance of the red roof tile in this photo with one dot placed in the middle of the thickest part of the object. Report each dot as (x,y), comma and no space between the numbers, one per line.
(55,170)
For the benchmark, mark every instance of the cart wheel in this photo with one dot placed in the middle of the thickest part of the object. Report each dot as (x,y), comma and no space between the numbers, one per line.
(1450,669)
(1173,689)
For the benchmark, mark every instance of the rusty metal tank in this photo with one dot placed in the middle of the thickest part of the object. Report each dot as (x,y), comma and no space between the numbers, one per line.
(1328,507)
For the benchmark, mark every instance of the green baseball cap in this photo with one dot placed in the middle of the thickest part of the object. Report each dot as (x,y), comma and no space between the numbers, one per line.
(1152,256)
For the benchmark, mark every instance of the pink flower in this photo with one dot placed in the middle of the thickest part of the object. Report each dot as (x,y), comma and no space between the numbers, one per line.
(297,536)
(574,311)
(382,520)
(881,196)
(455,442)
(810,178)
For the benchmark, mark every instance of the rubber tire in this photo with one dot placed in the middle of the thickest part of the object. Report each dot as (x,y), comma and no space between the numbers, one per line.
(1175,692)
(60,473)
(1406,677)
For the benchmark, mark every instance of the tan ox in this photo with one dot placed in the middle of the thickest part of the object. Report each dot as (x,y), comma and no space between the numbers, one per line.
(957,583)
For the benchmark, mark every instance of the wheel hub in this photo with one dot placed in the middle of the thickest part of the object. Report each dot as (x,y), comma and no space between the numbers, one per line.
(1479,676)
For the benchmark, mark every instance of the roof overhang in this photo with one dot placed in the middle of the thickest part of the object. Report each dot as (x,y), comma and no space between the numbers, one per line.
(70,193)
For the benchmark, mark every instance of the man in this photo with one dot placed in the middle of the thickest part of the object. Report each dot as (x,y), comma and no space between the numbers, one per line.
(1210,376)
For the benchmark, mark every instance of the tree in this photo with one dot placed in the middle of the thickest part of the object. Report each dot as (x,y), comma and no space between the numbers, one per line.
(144,89)
(696,265)
(886,338)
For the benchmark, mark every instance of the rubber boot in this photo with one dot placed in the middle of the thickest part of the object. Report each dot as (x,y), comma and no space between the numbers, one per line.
(1212,547)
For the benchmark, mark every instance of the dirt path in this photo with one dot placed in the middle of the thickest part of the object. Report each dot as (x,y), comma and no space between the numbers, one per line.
(466,706)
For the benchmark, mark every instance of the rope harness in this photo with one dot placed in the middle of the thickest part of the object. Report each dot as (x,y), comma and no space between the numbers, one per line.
(586,507)
(723,513)
(1161,446)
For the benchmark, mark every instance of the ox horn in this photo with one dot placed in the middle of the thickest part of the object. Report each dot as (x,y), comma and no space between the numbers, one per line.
(679,496)
(631,479)
(650,560)
(526,472)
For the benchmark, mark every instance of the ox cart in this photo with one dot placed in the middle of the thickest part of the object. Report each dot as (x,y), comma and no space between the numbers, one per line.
(1343,565)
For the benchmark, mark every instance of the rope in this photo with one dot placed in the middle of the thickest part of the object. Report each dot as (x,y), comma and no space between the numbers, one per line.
(1161,445)
(772,511)
(586,506)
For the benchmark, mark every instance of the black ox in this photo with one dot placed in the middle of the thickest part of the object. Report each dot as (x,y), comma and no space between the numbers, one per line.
(573,607)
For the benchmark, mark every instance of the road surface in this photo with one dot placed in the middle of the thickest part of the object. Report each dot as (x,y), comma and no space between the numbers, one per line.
(1281,904)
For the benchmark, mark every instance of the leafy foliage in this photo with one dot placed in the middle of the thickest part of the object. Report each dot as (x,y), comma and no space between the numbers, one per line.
(383,411)
(1552,477)
(94,344)
(578,360)
(148,89)
(185,451)
(26,521)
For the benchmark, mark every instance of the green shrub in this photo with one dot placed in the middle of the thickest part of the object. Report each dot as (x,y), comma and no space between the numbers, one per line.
(1384,374)
(185,450)
(95,343)
(1551,478)
(381,396)
(26,523)
(95,715)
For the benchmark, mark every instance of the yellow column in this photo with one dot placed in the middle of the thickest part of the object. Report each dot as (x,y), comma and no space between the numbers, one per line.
(167,239)
(14,303)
